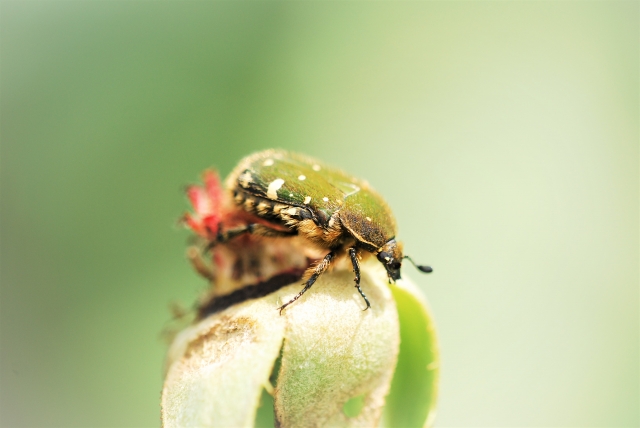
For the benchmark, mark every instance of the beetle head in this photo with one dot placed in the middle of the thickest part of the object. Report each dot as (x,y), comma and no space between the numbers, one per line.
(390,255)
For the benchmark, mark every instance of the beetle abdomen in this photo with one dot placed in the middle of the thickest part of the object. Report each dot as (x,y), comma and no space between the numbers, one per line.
(267,209)
(296,218)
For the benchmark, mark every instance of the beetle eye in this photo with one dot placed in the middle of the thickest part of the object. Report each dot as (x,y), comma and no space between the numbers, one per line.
(384,257)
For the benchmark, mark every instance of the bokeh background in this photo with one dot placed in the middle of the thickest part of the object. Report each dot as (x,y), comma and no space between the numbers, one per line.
(503,134)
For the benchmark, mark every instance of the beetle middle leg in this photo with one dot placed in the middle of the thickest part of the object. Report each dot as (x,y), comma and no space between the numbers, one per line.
(195,257)
(353,253)
(317,271)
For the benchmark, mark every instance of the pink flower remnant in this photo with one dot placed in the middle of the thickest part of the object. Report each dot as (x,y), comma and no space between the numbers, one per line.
(207,205)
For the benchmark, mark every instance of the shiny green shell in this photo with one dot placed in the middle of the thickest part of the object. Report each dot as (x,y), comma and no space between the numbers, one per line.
(301,181)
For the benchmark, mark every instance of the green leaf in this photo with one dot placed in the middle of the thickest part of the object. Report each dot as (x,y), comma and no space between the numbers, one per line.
(265,418)
(412,401)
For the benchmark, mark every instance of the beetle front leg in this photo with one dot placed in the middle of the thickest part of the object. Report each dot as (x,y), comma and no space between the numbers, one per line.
(317,271)
(353,253)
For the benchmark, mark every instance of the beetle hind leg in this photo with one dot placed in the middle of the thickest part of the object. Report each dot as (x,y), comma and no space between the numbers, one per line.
(318,270)
(353,254)
(254,229)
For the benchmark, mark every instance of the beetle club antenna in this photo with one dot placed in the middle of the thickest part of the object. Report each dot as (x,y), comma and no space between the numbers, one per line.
(421,268)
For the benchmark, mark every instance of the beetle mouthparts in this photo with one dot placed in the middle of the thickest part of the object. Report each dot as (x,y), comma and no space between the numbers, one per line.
(394,274)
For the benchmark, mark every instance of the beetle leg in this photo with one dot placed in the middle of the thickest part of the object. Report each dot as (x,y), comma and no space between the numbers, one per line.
(254,229)
(317,271)
(195,257)
(353,253)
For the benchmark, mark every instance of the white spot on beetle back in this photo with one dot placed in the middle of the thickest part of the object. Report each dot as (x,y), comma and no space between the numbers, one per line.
(273,188)
(268,162)
(307,200)
(302,177)
(316,167)
(368,218)
(325,199)
(292,211)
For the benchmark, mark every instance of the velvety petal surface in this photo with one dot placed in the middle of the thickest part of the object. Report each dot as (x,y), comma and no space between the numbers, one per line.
(218,368)
(336,354)
(337,361)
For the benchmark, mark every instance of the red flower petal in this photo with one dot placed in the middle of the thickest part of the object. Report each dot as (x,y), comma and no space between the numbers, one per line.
(214,189)
(194,224)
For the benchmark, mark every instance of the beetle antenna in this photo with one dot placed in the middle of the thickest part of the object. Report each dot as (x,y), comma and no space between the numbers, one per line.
(421,268)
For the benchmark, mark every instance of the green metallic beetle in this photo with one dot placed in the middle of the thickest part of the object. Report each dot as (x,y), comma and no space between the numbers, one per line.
(332,210)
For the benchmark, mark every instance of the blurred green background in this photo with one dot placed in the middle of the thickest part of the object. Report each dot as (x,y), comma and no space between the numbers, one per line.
(504,135)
